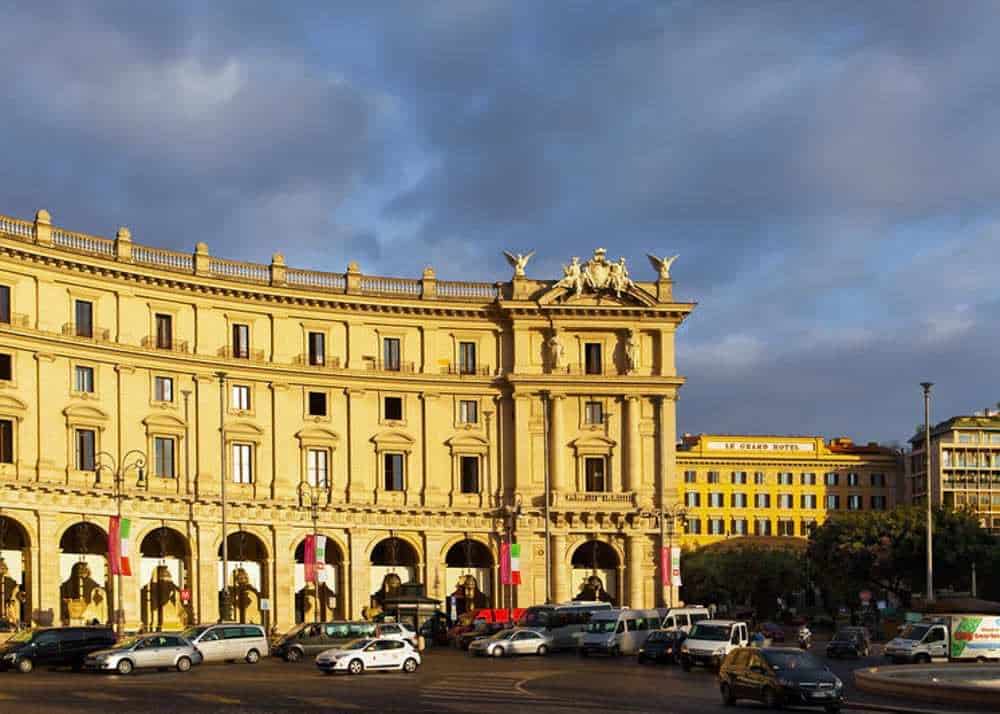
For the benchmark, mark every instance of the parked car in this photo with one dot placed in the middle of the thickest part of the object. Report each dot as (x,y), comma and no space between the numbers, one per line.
(518,640)
(684,618)
(662,646)
(849,642)
(486,630)
(228,642)
(778,676)
(369,654)
(396,631)
(311,638)
(773,631)
(53,647)
(159,650)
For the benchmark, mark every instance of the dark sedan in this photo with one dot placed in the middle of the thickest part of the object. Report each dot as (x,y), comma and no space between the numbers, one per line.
(777,676)
(849,642)
(773,631)
(661,646)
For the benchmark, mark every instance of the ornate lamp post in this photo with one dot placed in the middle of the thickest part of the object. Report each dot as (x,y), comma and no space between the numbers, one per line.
(225,609)
(667,520)
(930,501)
(508,514)
(311,494)
(133,460)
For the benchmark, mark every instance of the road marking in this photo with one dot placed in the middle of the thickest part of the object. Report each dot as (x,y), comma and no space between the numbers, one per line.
(100,696)
(211,698)
(325,703)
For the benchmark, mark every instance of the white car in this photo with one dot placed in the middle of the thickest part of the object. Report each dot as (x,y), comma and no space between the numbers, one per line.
(396,631)
(369,654)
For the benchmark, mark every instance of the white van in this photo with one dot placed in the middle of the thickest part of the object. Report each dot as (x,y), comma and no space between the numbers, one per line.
(620,631)
(229,642)
(710,641)
(682,618)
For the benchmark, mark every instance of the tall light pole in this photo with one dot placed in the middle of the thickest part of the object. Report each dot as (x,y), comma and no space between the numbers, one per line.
(667,518)
(224,612)
(508,514)
(930,505)
(118,470)
(311,494)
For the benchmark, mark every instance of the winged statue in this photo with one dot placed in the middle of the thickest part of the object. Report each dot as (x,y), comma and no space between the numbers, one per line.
(662,265)
(518,261)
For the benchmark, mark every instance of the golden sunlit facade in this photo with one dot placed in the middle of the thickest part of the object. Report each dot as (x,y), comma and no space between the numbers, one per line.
(779,486)
(410,421)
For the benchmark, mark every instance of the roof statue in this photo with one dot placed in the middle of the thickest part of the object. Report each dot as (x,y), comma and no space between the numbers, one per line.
(662,265)
(597,274)
(518,261)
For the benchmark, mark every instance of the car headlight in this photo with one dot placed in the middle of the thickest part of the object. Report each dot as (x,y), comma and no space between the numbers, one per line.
(684,649)
(837,683)
(720,651)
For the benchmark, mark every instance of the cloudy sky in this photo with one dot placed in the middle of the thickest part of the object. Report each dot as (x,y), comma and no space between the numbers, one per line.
(829,172)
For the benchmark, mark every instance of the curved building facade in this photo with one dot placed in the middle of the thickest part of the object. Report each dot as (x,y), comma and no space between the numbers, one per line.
(413,423)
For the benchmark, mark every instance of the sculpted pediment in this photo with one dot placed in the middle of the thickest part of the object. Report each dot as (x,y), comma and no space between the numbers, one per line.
(84,412)
(10,404)
(599,281)
(163,421)
(317,433)
(392,440)
(591,442)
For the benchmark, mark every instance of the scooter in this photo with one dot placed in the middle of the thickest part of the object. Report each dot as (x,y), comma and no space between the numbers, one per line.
(805,638)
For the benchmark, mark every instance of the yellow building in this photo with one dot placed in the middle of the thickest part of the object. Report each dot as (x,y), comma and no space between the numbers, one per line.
(422,417)
(779,485)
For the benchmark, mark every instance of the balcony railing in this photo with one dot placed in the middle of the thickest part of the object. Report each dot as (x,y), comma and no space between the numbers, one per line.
(466,371)
(595,500)
(302,360)
(151,343)
(377,366)
(97,334)
(250,355)
(17,319)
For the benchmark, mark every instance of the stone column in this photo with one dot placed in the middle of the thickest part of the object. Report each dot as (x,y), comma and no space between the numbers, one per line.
(206,577)
(359,574)
(557,475)
(560,578)
(633,444)
(45,567)
(668,484)
(635,569)
(283,590)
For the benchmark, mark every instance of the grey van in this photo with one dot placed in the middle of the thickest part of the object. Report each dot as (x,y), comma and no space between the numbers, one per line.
(311,638)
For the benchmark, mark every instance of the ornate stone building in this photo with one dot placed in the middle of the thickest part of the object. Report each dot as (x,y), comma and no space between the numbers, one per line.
(409,421)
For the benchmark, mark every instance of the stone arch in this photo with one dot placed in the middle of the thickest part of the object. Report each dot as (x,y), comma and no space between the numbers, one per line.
(86,592)
(15,570)
(247,581)
(596,568)
(326,600)
(470,572)
(164,577)
(391,568)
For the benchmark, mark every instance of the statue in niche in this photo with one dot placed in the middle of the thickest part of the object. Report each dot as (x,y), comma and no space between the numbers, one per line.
(315,608)
(556,350)
(632,351)
(245,598)
(12,595)
(162,602)
(592,590)
(83,599)
(391,585)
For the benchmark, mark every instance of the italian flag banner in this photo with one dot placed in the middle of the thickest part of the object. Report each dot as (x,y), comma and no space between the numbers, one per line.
(314,558)
(510,563)
(119,545)
(320,559)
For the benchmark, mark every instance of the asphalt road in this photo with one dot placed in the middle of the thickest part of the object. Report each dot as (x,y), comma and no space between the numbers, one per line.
(448,681)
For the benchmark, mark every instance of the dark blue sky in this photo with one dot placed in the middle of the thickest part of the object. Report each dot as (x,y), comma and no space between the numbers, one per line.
(829,172)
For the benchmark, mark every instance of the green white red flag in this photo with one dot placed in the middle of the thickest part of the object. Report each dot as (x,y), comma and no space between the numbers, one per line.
(510,563)
(119,545)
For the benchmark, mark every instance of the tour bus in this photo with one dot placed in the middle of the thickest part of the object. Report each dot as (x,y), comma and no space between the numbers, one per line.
(564,621)
(619,631)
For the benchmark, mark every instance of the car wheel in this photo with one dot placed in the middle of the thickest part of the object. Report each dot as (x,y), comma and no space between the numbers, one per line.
(770,698)
(727,694)
(542,650)
(410,665)
(25,665)
(125,666)
(183,664)
(497,652)
(615,651)
(356,666)
(293,655)
(922,659)
(253,657)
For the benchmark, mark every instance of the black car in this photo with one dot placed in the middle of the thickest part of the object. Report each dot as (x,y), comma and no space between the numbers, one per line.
(849,642)
(53,647)
(662,646)
(777,676)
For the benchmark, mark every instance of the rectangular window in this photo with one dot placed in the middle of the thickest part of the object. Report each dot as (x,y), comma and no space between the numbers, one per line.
(807,479)
(759,478)
(807,527)
(692,526)
(163,457)
(592,358)
(86,449)
(318,468)
(393,472)
(878,480)
(393,409)
(84,381)
(716,526)
(713,477)
(467,357)
(84,318)
(163,389)
(808,500)
(786,528)
(878,503)
(164,331)
(317,349)
(470,474)
(762,527)
(692,499)
(716,499)
(853,479)
(6,367)
(738,477)
(468,411)
(241,341)
(6,441)
(390,354)
(854,503)
(831,479)
(690,477)
(317,404)
(242,463)
(739,526)
(595,474)
(738,500)
(785,478)
(785,500)
(5,304)
(240,397)
(594,413)
(762,500)
(832,502)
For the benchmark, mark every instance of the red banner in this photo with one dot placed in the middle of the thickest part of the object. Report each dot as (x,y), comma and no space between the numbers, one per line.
(505,563)
(665,566)
(309,558)
(115,546)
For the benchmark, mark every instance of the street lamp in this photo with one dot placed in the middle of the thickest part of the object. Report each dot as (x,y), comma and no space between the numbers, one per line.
(224,605)
(134,459)
(667,518)
(508,514)
(312,494)
(927,470)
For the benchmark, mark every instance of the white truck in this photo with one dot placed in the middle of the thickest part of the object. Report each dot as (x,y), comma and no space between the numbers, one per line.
(710,641)
(947,637)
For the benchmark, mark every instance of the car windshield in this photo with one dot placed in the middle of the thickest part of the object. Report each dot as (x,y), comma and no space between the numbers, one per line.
(598,626)
(358,644)
(712,633)
(192,632)
(791,660)
(915,632)
(22,636)
(658,635)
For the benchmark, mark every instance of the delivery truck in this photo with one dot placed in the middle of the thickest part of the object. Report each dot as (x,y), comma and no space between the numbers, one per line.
(945,637)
